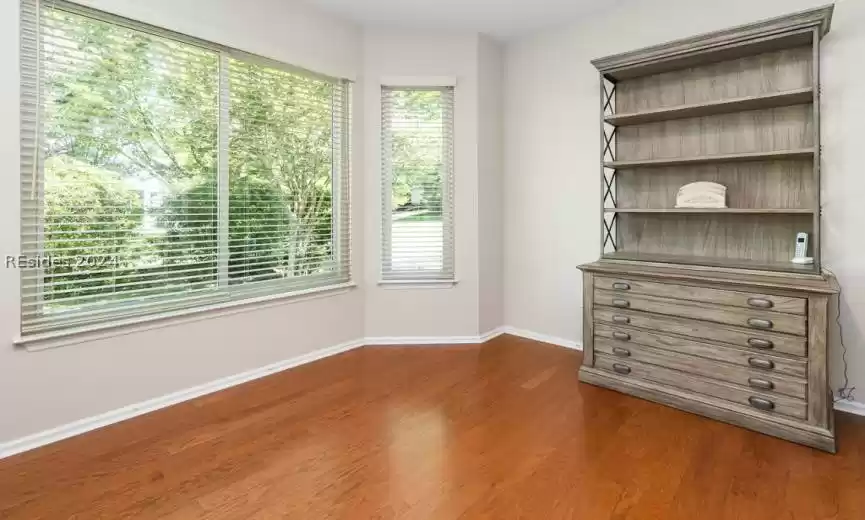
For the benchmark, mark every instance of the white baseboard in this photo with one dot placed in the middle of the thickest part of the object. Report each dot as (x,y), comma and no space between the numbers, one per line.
(496,332)
(851,407)
(544,338)
(85,425)
(411,341)
(435,340)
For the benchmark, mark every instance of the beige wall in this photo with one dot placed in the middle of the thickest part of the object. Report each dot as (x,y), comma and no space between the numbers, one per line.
(490,185)
(40,390)
(552,184)
(424,312)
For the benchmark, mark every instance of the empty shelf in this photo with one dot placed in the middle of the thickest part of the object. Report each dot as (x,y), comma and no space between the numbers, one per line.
(780,99)
(803,153)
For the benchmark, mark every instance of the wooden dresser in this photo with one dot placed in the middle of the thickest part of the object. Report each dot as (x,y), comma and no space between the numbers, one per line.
(746,348)
(703,308)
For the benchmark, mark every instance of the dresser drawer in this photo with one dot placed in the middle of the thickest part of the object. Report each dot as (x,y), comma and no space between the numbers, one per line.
(766,381)
(755,319)
(768,341)
(767,403)
(786,304)
(741,357)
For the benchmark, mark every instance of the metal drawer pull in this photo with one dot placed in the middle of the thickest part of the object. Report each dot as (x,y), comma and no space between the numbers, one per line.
(757,323)
(760,303)
(766,364)
(621,336)
(762,384)
(761,404)
(621,352)
(621,303)
(622,320)
(621,286)
(764,344)
(621,369)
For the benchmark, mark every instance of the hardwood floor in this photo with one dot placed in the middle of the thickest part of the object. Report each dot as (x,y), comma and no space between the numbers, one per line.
(498,431)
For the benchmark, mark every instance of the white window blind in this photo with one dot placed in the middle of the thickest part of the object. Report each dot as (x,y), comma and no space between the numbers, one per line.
(160,173)
(417,182)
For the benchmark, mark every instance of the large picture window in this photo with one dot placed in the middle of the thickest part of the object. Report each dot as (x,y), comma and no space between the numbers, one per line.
(161,173)
(417,184)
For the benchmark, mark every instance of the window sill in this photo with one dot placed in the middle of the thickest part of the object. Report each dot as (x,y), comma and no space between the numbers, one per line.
(417,284)
(169,319)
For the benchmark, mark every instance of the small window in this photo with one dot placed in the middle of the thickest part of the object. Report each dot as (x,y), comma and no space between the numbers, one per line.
(417,181)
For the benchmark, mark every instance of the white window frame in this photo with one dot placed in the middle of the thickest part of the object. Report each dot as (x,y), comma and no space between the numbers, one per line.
(218,302)
(442,280)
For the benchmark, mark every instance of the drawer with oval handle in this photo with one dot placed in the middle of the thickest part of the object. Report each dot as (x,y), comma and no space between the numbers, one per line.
(704,330)
(742,299)
(760,303)
(762,384)
(754,319)
(621,369)
(765,364)
(745,376)
(760,343)
(761,403)
(621,336)
(712,352)
(621,352)
(758,323)
(722,391)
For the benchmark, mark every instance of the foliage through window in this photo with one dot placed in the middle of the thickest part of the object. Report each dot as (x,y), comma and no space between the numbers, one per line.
(417,181)
(163,173)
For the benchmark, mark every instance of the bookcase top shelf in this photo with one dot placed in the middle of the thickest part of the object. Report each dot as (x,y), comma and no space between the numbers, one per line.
(783,32)
(802,153)
(774,100)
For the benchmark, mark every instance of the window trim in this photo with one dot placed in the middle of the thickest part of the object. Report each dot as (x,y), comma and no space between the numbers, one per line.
(418,284)
(418,81)
(439,83)
(218,302)
(122,327)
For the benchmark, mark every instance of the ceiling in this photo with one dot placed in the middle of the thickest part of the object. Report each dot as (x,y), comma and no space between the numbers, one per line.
(502,19)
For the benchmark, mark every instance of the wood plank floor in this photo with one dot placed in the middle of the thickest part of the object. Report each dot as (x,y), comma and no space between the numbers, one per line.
(498,431)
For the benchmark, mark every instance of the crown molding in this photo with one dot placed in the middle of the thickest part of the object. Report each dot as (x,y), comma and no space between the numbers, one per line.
(799,26)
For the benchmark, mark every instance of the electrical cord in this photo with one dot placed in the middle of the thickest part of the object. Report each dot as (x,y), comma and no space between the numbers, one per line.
(845,392)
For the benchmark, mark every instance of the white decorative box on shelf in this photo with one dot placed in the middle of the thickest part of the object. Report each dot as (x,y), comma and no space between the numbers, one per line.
(702,195)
